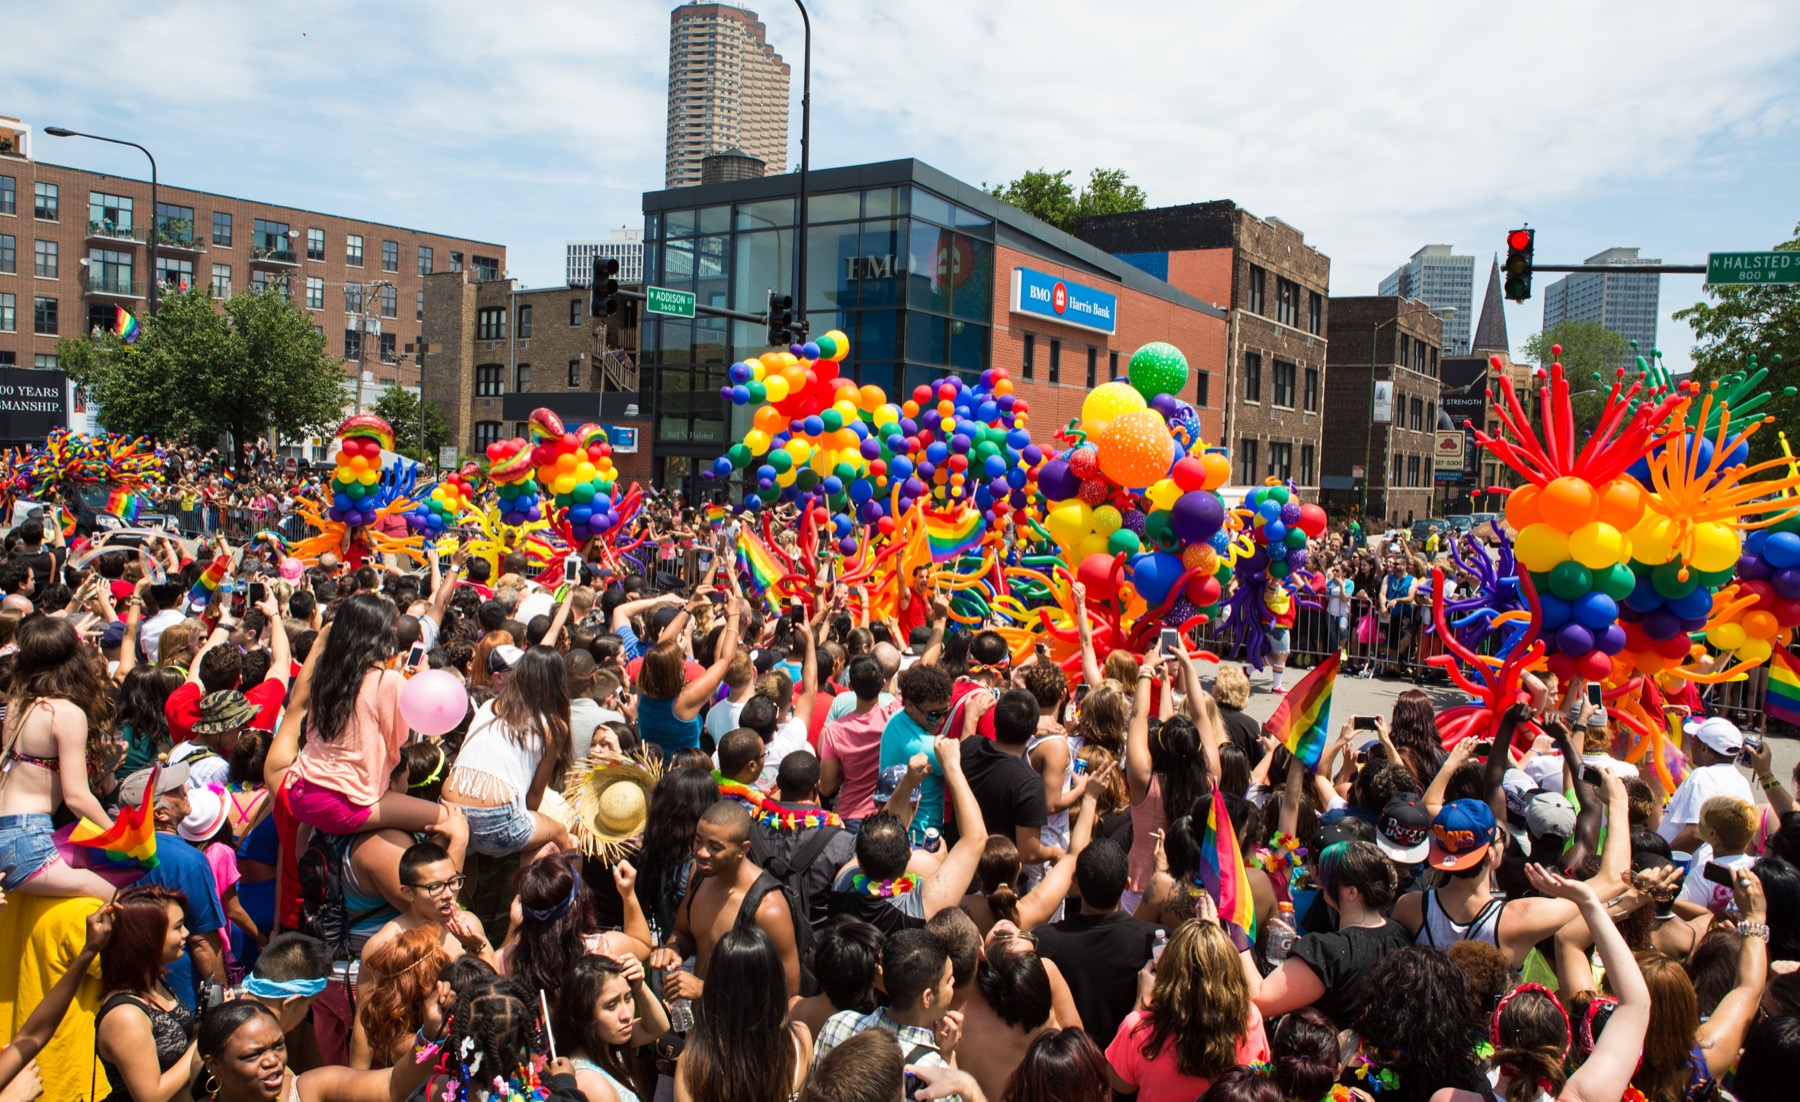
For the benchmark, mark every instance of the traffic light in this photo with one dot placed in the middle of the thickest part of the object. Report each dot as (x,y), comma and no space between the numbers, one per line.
(781,319)
(604,290)
(1518,264)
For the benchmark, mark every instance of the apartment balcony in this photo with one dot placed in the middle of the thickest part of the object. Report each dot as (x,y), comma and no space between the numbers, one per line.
(107,232)
(179,237)
(261,256)
(102,284)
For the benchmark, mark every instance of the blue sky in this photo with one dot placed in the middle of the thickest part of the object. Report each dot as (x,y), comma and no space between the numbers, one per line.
(1374,127)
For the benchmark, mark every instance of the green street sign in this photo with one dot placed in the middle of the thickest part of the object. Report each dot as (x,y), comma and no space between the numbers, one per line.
(1750,269)
(661,300)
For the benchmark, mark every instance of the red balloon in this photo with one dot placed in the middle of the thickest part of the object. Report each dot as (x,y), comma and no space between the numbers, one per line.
(885,526)
(922,394)
(946,393)
(1597,665)
(878,467)
(1096,572)
(959,462)
(1561,665)
(1084,463)
(1203,590)
(542,456)
(1675,646)
(1312,520)
(821,514)
(1787,613)
(1189,474)
(826,370)
(1021,406)
(1095,492)
(1763,590)
(570,440)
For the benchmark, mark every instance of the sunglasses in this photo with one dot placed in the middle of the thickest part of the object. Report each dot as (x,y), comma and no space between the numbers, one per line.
(935,716)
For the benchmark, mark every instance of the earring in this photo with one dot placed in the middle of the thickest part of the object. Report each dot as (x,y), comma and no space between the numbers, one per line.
(211,1086)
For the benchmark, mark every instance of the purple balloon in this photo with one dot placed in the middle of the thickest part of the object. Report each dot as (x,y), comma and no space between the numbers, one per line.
(1574,639)
(1197,515)
(1296,559)
(1786,583)
(1290,513)
(1662,624)
(1133,520)
(1612,641)
(1752,568)
(1181,610)
(1057,481)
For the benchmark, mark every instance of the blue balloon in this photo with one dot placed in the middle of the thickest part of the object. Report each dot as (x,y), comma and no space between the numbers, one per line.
(1154,575)
(1782,550)
(861,490)
(1595,610)
(1557,611)
(1275,531)
(1268,510)
(1694,606)
(1644,597)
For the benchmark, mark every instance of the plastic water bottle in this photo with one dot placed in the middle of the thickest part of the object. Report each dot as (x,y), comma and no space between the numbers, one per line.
(1157,946)
(1282,934)
(681,1015)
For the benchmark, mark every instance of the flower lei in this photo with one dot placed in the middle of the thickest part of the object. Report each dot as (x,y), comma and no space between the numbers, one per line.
(884,889)
(1632,1094)
(1338,1093)
(1284,854)
(1377,1077)
(771,813)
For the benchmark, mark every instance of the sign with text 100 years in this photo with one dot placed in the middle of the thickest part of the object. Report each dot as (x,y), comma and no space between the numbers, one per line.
(32,403)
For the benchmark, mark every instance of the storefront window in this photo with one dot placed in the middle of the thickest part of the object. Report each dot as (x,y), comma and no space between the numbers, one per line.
(968,266)
(877,336)
(879,284)
(885,202)
(678,223)
(969,347)
(678,264)
(927,338)
(710,267)
(841,207)
(834,268)
(928,206)
(768,215)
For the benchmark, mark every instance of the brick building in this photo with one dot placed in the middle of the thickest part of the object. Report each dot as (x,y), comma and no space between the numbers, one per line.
(1467,382)
(1384,377)
(496,352)
(1275,287)
(74,246)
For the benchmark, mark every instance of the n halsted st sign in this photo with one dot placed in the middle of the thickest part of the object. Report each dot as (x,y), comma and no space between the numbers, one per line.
(1064,301)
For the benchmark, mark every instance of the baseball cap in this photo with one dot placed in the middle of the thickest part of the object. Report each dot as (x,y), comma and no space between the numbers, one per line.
(1546,770)
(1518,786)
(1403,830)
(114,636)
(1461,834)
(1342,829)
(888,781)
(504,657)
(1549,815)
(1718,733)
(173,778)
(206,814)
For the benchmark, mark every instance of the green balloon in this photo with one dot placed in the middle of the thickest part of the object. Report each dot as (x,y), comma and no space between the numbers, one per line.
(758,392)
(770,496)
(1667,580)
(1123,540)
(1278,568)
(1713,579)
(845,471)
(1158,525)
(833,419)
(781,460)
(1295,539)
(1223,574)
(1278,494)
(1158,368)
(1570,579)
(807,479)
(1540,580)
(1616,581)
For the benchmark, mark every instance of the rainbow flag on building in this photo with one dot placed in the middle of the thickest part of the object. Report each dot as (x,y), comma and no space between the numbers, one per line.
(131,842)
(951,534)
(127,327)
(1302,719)
(758,563)
(1222,868)
(1784,688)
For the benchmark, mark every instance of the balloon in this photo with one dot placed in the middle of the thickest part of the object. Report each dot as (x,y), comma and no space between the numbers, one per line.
(1728,636)
(1782,550)
(1622,503)
(1541,546)
(1158,368)
(1569,502)
(1570,580)
(1095,572)
(1312,520)
(1653,540)
(1522,508)
(1196,516)
(434,702)
(1218,470)
(1108,401)
(1154,575)
(1595,611)
(1760,625)
(1756,651)
(1715,546)
(1598,544)
(1135,447)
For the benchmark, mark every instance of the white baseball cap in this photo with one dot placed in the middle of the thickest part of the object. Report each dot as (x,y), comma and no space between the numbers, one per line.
(1718,733)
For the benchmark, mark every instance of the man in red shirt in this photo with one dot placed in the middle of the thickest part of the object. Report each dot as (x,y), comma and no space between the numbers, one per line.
(915,605)
(973,696)
(219,666)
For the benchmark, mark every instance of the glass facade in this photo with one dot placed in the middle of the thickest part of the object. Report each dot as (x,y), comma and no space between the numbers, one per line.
(906,274)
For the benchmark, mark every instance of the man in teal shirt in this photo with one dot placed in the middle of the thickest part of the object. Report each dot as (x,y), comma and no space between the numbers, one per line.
(925,701)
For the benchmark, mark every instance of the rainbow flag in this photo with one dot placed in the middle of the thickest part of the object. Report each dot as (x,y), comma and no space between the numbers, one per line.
(1784,687)
(951,534)
(131,843)
(124,504)
(1222,868)
(758,563)
(717,513)
(208,582)
(1302,719)
(127,326)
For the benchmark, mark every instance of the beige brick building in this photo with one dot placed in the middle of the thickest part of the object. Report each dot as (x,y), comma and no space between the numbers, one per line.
(728,89)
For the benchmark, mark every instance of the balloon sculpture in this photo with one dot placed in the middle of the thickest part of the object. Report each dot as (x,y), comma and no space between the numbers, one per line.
(510,469)
(449,499)
(355,497)
(577,469)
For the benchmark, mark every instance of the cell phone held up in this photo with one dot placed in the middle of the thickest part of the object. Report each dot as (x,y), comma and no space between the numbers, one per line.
(1719,874)
(1363,723)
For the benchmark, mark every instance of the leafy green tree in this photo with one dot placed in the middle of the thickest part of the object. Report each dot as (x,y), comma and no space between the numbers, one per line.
(400,408)
(1050,197)
(200,371)
(1591,355)
(1740,322)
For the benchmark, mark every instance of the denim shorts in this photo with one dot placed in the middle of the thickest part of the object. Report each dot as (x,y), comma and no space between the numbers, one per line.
(1278,640)
(498,831)
(27,847)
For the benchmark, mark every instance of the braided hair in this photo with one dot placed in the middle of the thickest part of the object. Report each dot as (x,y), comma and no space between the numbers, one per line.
(492,1040)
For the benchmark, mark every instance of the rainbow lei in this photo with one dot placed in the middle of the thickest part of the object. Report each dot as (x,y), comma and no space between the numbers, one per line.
(884,889)
(1338,1093)
(1377,1077)
(772,813)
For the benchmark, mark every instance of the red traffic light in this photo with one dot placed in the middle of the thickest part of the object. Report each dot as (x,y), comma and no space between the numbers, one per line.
(1518,240)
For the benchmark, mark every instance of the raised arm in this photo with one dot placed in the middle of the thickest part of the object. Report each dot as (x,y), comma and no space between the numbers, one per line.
(1137,734)
(1202,715)
(940,622)
(1084,631)
(1440,784)
(48,1015)
(281,655)
(703,688)
(285,747)
(1040,904)
(946,887)
(809,666)
(1722,1034)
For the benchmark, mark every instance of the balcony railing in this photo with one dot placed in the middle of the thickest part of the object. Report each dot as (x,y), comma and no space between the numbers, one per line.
(262,254)
(106,231)
(179,236)
(617,375)
(113,284)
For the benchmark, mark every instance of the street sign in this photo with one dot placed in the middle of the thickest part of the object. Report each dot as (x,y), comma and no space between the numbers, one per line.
(447,457)
(1750,269)
(290,466)
(676,304)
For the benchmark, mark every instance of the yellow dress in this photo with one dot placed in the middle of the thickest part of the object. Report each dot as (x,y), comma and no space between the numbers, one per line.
(44,934)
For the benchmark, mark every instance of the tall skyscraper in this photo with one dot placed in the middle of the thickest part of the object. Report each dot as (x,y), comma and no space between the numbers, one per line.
(1625,303)
(728,88)
(625,244)
(1446,283)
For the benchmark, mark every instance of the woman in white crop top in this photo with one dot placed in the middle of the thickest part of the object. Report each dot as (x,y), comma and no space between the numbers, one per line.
(517,744)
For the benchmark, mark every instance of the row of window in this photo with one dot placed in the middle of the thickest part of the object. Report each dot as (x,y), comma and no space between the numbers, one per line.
(1413,473)
(1284,377)
(1053,363)
(1418,355)
(490,379)
(1418,414)
(387,348)
(1281,462)
(43,361)
(44,314)
(1287,301)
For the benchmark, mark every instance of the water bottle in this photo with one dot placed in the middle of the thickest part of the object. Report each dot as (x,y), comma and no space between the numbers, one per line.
(1282,935)
(934,840)
(1157,946)
(681,1015)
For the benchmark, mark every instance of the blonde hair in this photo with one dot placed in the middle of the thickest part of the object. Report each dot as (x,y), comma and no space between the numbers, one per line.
(1213,716)
(1231,686)
(1121,666)
(777,685)
(1201,1002)
(1728,823)
(177,643)
(1105,714)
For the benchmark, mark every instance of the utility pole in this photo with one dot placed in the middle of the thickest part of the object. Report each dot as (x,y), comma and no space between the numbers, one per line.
(362,336)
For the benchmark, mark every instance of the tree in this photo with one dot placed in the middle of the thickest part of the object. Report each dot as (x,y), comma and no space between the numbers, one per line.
(1591,355)
(1049,197)
(400,408)
(1741,322)
(200,372)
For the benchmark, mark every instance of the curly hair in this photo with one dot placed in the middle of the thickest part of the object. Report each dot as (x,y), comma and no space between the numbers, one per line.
(1428,1037)
(1201,1002)
(547,949)
(404,974)
(1105,715)
(1413,729)
(52,664)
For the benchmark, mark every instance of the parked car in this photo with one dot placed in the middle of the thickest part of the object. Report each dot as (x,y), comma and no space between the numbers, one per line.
(1422,529)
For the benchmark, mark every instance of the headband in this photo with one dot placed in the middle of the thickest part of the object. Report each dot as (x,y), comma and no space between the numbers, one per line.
(436,770)
(1494,1028)
(557,910)
(282,989)
(1592,1016)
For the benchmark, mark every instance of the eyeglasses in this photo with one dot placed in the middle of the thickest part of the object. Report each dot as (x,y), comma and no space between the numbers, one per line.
(454,884)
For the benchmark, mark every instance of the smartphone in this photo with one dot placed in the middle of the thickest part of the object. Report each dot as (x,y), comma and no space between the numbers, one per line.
(1718,874)
(1364,723)
(1593,693)
(1171,642)
(415,657)
(912,1087)
(572,570)
(1590,775)
(258,593)
(1484,748)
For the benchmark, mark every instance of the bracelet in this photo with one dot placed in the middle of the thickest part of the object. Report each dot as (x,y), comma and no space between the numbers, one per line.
(1753,929)
(1770,784)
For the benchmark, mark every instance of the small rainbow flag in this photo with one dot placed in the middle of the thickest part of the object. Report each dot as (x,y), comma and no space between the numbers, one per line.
(131,843)
(717,513)
(227,477)
(1784,688)
(208,582)
(1222,868)
(758,563)
(1302,719)
(951,534)
(124,504)
(127,326)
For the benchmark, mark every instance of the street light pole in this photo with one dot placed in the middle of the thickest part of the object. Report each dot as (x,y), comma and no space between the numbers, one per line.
(805,167)
(65,132)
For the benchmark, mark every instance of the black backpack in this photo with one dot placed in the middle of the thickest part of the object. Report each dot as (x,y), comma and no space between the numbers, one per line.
(792,870)
(323,912)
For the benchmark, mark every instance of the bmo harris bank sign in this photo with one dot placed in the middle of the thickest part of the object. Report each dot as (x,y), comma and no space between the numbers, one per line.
(1059,300)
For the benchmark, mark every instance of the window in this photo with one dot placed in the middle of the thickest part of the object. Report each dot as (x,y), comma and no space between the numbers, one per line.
(522,378)
(1204,397)
(1112,366)
(574,373)
(1412,470)
(1287,302)
(1247,472)
(419,310)
(1258,278)
(271,239)
(260,280)
(1399,474)
(221,281)
(1284,386)
(43,259)
(109,271)
(1093,366)
(315,243)
(1281,460)
(1306,464)
(487,432)
(1315,316)
(353,249)
(1434,363)
(315,293)
(1253,378)
(487,269)
(44,361)
(390,302)
(1419,357)
(9,195)
(574,311)
(1405,349)
(490,323)
(389,353)
(109,212)
(43,317)
(353,298)
(1055,361)
(1029,369)
(1417,408)
(9,313)
(221,228)
(490,381)
(175,271)
(352,344)
(1312,389)
(424,259)
(390,256)
(44,201)
(456,262)
(175,225)
(524,323)
(9,253)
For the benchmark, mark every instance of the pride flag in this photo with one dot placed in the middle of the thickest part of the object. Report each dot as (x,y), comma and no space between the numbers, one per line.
(1784,687)
(124,504)
(127,326)
(208,582)
(1222,868)
(951,534)
(131,843)
(717,514)
(1302,719)
(758,563)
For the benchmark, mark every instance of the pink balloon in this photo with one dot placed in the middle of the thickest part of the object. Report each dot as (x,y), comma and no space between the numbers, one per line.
(434,702)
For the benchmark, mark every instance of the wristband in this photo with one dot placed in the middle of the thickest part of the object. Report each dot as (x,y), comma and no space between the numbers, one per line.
(1770,784)
(1753,929)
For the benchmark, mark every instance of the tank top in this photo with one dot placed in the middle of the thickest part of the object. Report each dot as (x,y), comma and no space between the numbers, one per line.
(658,724)
(170,1029)
(1055,831)
(1146,819)
(1440,931)
(491,765)
(625,1093)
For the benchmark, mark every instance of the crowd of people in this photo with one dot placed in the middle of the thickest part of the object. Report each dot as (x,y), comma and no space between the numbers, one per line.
(827,858)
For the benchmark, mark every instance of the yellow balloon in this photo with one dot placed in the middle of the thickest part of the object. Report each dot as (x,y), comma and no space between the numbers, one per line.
(800,450)
(758,371)
(1107,520)
(564,484)
(887,414)
(1069,522)
(1715,546)
(786,478)
(1091,545)
(1727,636)
(1107,401)
(1755,651)
(757,441)
(777,386)
(1653,540)
(1596,545)
(1541,546)
(1163,492)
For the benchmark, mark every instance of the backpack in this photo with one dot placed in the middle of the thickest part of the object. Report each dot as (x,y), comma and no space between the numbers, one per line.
(766,882)
(323,912)
(792,869)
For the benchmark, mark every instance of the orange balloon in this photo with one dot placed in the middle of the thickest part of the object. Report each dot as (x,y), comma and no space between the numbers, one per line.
(1002,387)
(1622,503)
(909,408)
(795,376)
(1568,502)
(1136,448)
(1522,507)
(872,398)
(1218,470)
(1760,625)
(769,419)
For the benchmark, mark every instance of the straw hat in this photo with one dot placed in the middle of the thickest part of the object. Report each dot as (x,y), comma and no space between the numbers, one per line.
(609,797)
